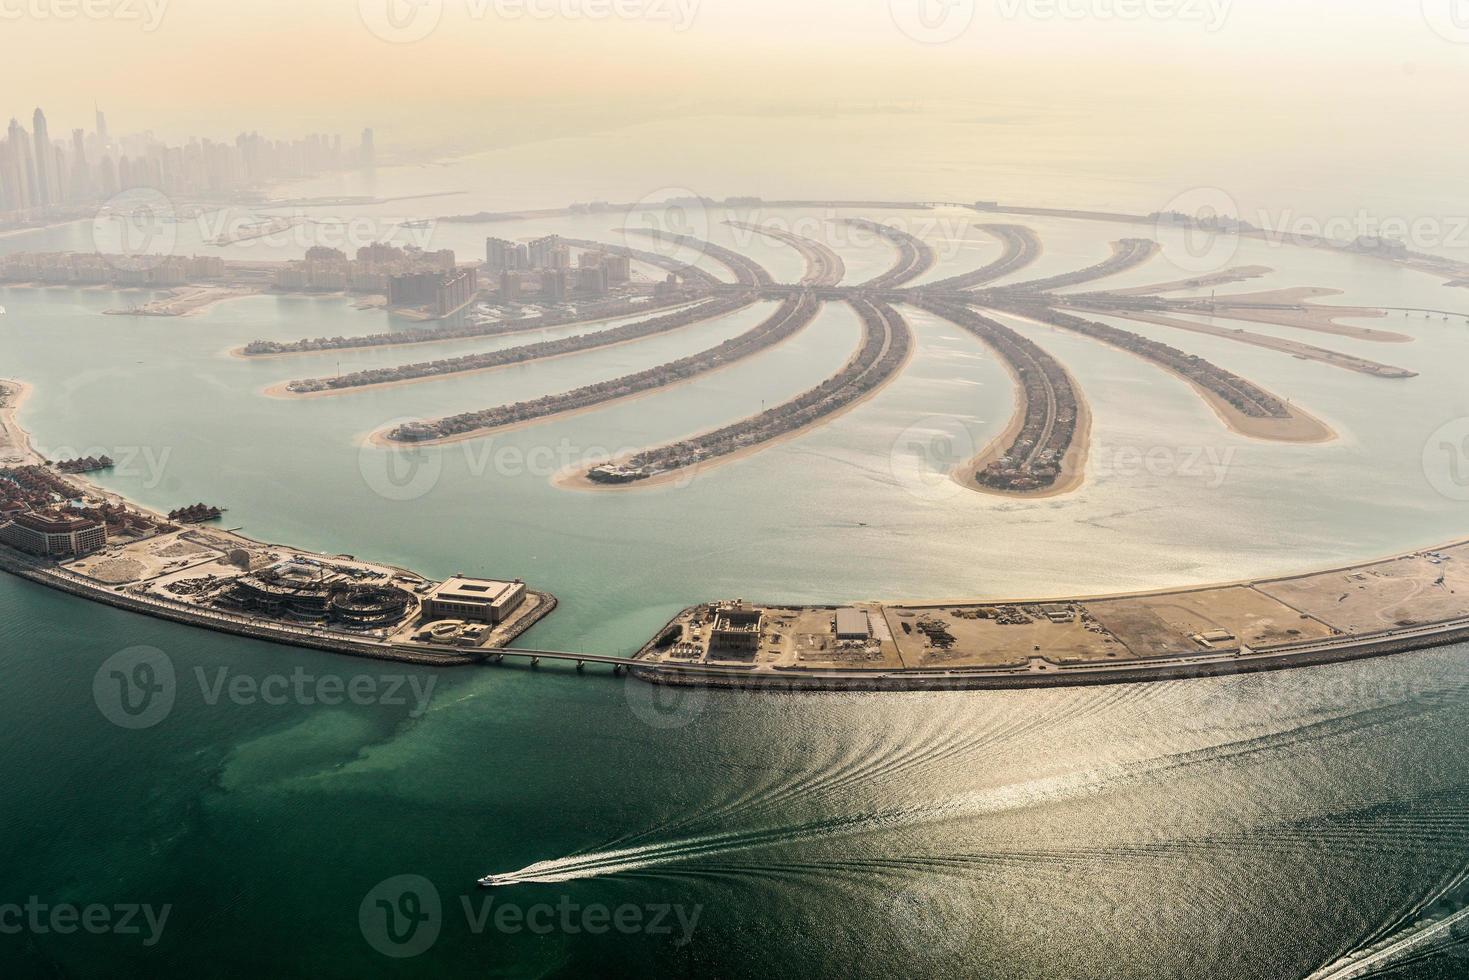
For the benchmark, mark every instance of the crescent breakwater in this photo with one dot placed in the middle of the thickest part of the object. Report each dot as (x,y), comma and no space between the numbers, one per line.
(915,256)
(1022,247)
(824,267)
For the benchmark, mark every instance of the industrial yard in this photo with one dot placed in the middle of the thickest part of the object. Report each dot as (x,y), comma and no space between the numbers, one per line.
(1213,628)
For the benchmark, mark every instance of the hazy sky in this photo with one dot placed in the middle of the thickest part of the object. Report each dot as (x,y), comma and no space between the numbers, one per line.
(488,70)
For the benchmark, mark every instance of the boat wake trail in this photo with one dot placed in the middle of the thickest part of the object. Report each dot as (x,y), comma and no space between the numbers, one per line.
(1439,923)
(628,859)
(996,800)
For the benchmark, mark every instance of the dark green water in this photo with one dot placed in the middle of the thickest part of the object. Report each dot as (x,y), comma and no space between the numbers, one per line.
(1247,827)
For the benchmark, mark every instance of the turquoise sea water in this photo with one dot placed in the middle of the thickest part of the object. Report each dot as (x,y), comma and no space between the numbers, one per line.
(1256,826)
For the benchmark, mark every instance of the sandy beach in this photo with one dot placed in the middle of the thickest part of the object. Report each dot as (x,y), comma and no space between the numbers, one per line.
(1225,278)
(282,390)
(576,478)
(1294,348)
(15,444)
(1254,308)
(240,351)
(380,437)
(1073,467)
(1301,427)
(187,301)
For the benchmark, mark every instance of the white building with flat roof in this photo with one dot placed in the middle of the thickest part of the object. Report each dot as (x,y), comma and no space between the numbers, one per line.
(474,600)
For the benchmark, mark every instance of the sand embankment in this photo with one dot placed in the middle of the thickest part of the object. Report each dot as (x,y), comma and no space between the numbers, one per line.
(1294,348)
(1073,466)
(576,477)
(15,444)
(283,389)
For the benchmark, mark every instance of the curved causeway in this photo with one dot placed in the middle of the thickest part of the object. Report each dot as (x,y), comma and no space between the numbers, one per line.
(747,271)
(794,315)
(1022,247)
(1129,253)
(824,267)
(887,344)
(1043,451)
(915,256)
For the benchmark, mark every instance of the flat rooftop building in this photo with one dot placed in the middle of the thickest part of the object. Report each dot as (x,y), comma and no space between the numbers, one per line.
(853,624)
(474,600)
(54,534)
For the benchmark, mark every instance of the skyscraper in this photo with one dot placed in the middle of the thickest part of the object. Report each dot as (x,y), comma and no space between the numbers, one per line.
(17,175)
(48,190)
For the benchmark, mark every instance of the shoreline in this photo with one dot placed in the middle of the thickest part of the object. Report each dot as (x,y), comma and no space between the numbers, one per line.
(1293,348)
(14,440)
(239,352)
(576,479)
(1308,429)
(380,437)
(1039,671)
(282,391)
(1073,465)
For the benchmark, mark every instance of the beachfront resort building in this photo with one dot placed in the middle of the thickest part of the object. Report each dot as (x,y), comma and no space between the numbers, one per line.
(49,534)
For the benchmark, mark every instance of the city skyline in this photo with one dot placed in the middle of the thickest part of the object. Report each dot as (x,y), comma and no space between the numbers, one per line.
(41,174)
